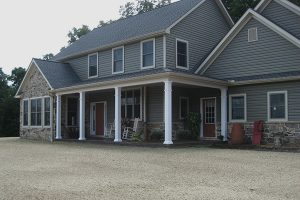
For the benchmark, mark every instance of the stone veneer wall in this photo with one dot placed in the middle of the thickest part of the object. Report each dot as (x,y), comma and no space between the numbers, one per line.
(35,86)
(274,133)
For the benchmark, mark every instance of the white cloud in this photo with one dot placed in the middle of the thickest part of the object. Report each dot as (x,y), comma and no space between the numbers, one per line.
(33,28)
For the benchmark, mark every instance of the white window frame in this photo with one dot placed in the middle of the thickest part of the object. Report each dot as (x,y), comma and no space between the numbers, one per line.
(28,111)
(89,65)
(141,103)
(188,106)
(37,126)
(285,119)
(43,115)
(142,54)
(113,58)
(249,30)
(187,56)
(245,107)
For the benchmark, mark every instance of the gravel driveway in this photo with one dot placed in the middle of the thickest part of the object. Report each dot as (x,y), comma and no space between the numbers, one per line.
(33,170)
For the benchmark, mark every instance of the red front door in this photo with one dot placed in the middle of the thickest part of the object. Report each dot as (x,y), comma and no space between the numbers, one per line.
(209,118)
(100,119)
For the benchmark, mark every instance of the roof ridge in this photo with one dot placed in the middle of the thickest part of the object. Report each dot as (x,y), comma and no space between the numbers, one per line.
(49,61)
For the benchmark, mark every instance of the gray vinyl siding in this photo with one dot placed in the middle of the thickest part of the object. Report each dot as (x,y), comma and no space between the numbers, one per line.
(155,101)
(203,29)
(109,98)
(257,99)
(132,60)
(283,17)
(270,54)
(80,67)
(155,104)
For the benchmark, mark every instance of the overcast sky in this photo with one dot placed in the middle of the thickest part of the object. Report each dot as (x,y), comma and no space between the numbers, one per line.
(33,28)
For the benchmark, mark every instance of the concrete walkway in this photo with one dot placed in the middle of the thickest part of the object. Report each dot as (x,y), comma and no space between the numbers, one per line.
(34,170)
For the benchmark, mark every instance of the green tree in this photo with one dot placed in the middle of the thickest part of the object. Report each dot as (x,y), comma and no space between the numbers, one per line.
(237,8)
(127,10)
(297,2)
(77,33)
(104,23)
(16,77)
(48,56)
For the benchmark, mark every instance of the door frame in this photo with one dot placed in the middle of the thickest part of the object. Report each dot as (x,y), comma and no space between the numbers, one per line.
(93,133)
(202,118)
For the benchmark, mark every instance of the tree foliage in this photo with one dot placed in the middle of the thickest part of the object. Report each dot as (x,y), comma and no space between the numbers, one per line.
(77,33)
(141,6)
(48,56)
(10,106)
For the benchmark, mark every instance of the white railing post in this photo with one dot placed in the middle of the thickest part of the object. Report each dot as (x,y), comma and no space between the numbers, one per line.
(82,116)
(224,113)
(168,112)
(118,128)
(58,117)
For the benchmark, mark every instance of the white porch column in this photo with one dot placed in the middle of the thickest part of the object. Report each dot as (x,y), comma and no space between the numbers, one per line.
(224,113)
(58,117)
(168,112)
(82,116)
(118,128)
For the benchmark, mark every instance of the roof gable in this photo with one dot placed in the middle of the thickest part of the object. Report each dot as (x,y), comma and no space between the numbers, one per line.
(153,23)
(285,3)
(250,14)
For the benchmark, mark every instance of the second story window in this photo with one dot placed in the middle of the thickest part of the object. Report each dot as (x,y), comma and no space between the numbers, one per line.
(148,54)
(93,65)
(118,60)
(182,54)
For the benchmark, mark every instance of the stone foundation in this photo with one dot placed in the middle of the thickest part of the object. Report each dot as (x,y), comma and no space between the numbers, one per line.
(274,133)
(43,134)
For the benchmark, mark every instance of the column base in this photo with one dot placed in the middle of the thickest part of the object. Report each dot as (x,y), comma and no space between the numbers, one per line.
(117,140)
(58,138)
(82,139)
(168,142)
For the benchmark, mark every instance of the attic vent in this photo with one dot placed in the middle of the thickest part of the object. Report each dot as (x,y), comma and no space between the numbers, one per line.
(252,35)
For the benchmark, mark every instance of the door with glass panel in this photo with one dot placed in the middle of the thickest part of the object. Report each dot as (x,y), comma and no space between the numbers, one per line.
(209,118)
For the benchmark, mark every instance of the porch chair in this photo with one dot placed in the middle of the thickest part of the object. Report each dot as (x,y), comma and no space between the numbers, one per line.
(110,131)
(129,131)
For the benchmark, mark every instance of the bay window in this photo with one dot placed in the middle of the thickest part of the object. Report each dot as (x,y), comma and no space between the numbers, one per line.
(36,112)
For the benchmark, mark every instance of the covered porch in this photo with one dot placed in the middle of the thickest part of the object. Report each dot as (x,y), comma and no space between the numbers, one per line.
(163,108)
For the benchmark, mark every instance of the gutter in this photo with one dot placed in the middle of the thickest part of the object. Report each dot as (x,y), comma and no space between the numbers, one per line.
(259,81)
(148,79)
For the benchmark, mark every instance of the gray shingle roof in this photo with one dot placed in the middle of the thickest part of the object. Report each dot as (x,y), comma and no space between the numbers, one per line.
(136,26)
(59,75)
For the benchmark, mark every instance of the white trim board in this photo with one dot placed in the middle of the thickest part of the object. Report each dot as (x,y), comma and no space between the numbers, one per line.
(287,4)
(250,14)
(26,75)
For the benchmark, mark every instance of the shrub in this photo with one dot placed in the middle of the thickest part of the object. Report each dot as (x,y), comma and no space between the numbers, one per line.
(156,135)
(186,135)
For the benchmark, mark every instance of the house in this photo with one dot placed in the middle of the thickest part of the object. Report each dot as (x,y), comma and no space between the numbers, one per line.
(159,66)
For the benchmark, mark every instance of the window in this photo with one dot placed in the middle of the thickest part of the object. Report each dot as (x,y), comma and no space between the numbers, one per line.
(148,54)
(237,106)
(36,112)
(25,113)
(47,111)
(118,60)
(181,54)
(131,104)
(183,107)
(277,106)
(72,116)
(93,65)
(252,35)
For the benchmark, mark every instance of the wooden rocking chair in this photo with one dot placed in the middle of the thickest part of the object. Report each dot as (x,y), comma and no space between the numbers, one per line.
(110,131)
(129,131)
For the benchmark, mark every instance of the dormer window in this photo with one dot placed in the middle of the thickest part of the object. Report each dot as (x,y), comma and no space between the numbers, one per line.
(252,35)
(148,54)
(182,54)
(93,65)
(118,60)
